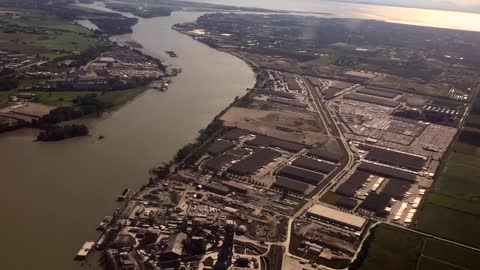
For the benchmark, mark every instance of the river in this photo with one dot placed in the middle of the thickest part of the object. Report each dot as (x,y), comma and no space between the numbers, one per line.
(54,194)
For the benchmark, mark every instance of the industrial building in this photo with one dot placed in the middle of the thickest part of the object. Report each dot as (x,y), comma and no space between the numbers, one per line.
(288,102)
(376,203)
(396,189)
(387,172)
(336,217)
(216,164)
(373,100)
(219,147)
(410,162)
(234,186)
(217,188)
(235,134)
(275,93)
(323,153)
(345,202)
(251,164)
(290,185)
(352,184)
(267,141)
(313,165)
(291,82)
(384,93)
(302,175)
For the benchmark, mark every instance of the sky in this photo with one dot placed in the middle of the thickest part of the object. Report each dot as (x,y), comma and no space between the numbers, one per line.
(455,5)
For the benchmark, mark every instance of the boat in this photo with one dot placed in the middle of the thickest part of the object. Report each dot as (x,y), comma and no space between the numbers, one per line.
(171,54)
(124,194)
(104,223)
(85,250)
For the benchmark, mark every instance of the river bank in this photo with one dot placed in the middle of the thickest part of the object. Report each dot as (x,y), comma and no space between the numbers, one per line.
(71,185)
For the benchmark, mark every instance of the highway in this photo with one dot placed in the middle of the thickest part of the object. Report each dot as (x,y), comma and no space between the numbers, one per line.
(332,129)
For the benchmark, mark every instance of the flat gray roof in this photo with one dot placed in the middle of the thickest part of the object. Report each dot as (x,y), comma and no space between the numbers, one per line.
(337,216)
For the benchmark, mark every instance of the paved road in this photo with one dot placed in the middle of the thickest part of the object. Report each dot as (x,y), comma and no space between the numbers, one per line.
(332,129)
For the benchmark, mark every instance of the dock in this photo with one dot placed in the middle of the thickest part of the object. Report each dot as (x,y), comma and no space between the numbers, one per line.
(124,194)
(85,250)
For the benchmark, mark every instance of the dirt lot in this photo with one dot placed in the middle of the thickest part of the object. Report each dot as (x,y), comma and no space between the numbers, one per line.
(285,124)
(415,101)
(34,109)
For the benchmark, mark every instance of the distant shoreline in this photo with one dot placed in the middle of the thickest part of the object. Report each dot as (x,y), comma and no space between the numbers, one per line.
(366,2)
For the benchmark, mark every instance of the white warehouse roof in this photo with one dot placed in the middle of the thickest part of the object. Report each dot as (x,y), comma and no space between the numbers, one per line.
(337,216)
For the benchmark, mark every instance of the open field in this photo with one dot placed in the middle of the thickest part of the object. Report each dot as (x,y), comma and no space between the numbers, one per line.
(37,33)
(428,264)
(303,127)
(118,98)
(394,248)
(449,223)
(431,89)
(52,47)
(65,98)
(415,101)
(451,254)
(469,206)
(461,181)
(40,18)
(470,157)
(452,208)
(59,98)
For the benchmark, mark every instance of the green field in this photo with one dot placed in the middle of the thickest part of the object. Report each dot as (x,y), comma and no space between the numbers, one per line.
(460,181)
(456,255)
(394,248)
(65,98)
(427,263)
(468,206)
(64,38)
(118,98)
(449,223)
(452,207)
(431,89)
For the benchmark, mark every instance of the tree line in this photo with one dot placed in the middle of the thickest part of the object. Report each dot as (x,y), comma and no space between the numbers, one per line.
(83,106)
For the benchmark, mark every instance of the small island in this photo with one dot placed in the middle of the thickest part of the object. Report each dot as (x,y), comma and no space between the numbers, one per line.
(171,54)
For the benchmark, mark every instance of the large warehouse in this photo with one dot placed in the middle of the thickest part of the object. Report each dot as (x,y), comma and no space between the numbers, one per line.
(254,162)
(302,175)
(414,163)
(336,217)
